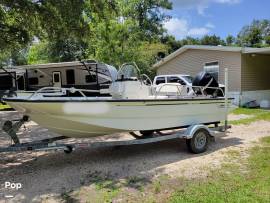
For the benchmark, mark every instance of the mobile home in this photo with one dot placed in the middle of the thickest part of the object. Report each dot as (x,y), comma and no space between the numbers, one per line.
(248,68)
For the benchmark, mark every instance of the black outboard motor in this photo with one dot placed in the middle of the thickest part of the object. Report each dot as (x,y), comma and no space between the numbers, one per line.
(205,79)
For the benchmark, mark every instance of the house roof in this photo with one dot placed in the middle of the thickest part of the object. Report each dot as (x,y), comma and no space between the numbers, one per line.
(55,65)
(244,50)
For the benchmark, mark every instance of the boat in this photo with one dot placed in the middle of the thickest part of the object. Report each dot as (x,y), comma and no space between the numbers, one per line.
(134,105)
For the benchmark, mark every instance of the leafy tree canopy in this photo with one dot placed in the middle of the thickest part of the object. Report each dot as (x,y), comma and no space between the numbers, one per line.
(111,31)
(255,35)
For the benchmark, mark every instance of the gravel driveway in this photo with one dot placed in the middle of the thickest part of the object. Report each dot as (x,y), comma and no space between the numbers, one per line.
(44,174)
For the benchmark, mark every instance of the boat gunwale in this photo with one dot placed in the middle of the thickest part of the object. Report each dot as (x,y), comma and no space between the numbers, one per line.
(112,100)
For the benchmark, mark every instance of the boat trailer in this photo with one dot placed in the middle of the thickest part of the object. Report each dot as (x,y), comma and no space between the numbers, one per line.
(197,138)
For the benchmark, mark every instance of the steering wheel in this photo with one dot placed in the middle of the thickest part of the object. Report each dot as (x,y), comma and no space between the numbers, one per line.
(145,79)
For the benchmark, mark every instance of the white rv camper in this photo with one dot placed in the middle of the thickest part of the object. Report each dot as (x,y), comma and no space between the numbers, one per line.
(91,75)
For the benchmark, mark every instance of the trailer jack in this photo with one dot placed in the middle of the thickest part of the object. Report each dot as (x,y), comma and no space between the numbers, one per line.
(12,129)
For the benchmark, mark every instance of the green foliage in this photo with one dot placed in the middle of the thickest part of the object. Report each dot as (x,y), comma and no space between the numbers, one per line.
(171,43)
(114,32)
(21,20)
(267,40)
(212,40)
(230,40)
(191,41)
(120,36)
(66,50)
(255,35)
(38,53)
(54,21)
(230,184)
(147,55)
(14,57)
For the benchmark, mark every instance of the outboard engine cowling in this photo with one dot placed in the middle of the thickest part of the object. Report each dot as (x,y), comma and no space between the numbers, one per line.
(205,79)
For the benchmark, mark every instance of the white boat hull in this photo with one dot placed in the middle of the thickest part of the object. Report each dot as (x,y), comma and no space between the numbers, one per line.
(96,118)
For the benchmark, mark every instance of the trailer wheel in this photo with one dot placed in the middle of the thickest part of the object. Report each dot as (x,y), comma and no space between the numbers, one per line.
(199,142)
(25,118)
(68,150)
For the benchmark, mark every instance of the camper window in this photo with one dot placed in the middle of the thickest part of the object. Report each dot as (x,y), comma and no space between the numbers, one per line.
(6,82)
(90,78)
(70,77)
(56,78)
(33,81)
(20,82)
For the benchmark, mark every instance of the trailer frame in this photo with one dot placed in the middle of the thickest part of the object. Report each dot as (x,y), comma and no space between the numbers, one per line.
(11,128)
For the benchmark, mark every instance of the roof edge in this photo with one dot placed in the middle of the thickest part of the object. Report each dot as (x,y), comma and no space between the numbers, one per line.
(52,65)
(197,47)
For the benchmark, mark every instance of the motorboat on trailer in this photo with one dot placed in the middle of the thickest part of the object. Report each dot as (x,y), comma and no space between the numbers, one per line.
(134,105)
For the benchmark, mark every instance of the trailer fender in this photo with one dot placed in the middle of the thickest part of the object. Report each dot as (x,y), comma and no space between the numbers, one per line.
(191,130)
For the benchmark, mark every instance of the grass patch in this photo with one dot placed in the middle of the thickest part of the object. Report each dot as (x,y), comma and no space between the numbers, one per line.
(233,153)
(4,106)
(136,182)
(257,114)
(157,186)
(232,185)
(247,111)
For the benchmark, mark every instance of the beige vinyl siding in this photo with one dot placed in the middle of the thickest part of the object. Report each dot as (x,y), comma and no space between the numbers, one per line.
(192,62)
(255,72)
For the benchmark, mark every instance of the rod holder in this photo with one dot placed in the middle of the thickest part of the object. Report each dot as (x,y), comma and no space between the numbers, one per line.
(226,98)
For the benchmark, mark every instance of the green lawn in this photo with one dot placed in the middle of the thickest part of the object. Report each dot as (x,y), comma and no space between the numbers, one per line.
(257,114)
(2,107)
(231,184)
(247,111)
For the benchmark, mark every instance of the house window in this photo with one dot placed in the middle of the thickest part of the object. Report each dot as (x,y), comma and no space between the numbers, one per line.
(70,74)
(212,68)
(160,80)
(90,78)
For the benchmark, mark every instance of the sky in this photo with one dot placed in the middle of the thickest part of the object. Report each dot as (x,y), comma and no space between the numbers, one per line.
(197,18)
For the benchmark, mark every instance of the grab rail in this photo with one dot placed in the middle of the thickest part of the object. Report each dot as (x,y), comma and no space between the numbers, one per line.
(201,88)
(63,91)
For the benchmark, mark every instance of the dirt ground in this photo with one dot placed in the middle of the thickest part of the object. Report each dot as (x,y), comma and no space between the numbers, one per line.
(50,174)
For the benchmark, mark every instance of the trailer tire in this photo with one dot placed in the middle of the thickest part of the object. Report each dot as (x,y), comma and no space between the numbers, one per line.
(68,150)
(199,142)
(25,118)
